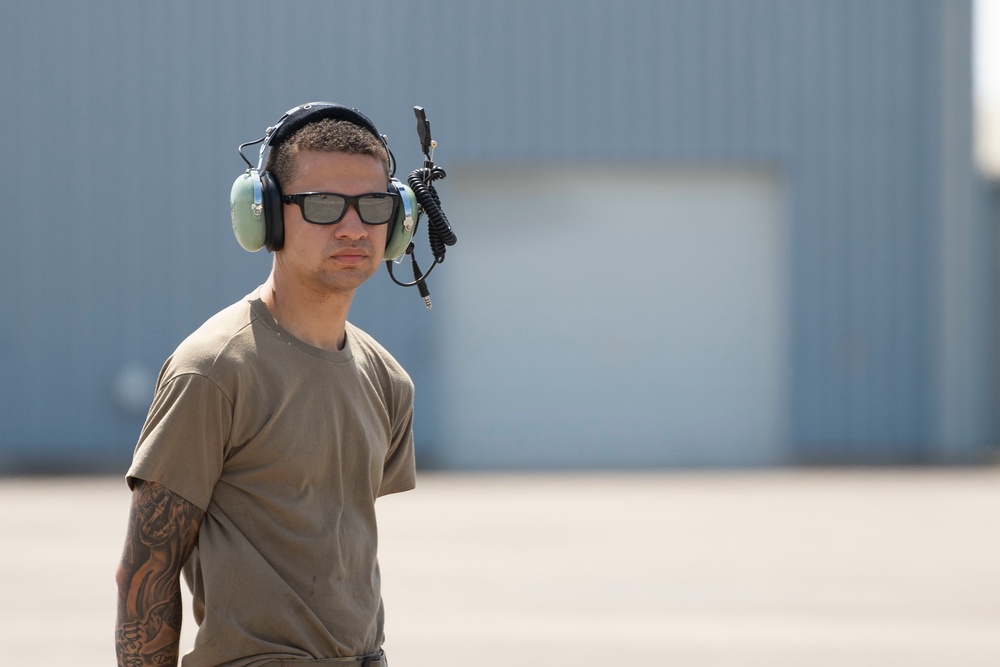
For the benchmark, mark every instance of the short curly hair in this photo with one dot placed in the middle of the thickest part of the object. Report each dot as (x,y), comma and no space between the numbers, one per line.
(326,135)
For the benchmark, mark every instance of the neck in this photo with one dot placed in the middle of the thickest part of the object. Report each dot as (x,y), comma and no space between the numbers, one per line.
(318,319)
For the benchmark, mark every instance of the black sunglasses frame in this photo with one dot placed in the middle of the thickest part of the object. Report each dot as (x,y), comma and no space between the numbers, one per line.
(349,200)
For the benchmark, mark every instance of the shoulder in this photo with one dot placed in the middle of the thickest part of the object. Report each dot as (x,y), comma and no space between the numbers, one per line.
(369,349)
(370,354)
(224,337)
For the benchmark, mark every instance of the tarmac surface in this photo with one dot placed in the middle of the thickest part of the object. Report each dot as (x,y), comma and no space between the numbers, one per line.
(697,568)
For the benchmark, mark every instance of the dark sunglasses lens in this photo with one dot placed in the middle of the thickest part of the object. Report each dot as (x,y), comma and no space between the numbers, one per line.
(322,209)
(376,209)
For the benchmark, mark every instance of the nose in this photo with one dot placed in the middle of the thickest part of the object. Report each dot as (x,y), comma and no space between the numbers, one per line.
(350,226)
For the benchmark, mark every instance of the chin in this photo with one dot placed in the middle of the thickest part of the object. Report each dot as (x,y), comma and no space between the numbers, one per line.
(347,279)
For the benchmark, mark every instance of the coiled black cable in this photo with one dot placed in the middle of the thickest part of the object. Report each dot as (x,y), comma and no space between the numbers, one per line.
(439,230)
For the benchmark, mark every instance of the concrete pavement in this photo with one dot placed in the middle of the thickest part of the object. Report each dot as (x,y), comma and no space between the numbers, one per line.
(786,567)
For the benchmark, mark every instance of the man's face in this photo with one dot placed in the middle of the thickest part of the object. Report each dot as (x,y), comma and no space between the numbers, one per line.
(338,257)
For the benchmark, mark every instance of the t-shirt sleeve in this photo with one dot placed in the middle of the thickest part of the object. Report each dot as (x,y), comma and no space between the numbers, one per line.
(400,470)
(183,443)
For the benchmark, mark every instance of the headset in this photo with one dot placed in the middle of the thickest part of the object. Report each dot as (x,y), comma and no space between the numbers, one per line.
(255,198)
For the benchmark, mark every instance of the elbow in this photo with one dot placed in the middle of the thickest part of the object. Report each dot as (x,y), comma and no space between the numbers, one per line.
(122,577)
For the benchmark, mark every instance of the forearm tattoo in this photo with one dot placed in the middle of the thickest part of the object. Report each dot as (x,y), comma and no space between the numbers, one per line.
(162,532)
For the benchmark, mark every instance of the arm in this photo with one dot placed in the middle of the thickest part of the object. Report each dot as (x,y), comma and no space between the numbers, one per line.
(162,533)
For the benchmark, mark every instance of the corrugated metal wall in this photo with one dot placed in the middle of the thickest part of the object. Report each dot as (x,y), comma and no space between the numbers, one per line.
(122,119)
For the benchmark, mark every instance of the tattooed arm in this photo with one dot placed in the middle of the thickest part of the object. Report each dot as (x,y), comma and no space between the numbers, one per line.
(162,532)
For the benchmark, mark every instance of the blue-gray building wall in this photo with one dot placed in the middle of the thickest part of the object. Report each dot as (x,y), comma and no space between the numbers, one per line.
(122,120)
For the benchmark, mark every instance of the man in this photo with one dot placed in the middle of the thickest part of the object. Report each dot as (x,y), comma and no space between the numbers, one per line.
(273,429)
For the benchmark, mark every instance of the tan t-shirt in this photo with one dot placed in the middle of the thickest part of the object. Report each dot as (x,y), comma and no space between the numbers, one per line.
(286,447)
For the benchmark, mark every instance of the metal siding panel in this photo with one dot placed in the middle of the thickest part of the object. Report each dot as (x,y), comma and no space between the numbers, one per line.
(964,420)
(844,390)
(134,112)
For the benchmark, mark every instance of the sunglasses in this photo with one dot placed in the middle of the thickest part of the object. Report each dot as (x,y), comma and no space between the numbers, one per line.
(327,208)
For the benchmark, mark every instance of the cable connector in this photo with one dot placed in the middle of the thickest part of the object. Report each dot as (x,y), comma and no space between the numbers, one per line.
(418,278)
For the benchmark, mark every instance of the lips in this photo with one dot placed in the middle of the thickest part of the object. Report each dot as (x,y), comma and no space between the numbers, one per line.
(350,255)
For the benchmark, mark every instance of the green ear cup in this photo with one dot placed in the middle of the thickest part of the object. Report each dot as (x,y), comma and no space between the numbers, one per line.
(247,211)
(405,223)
